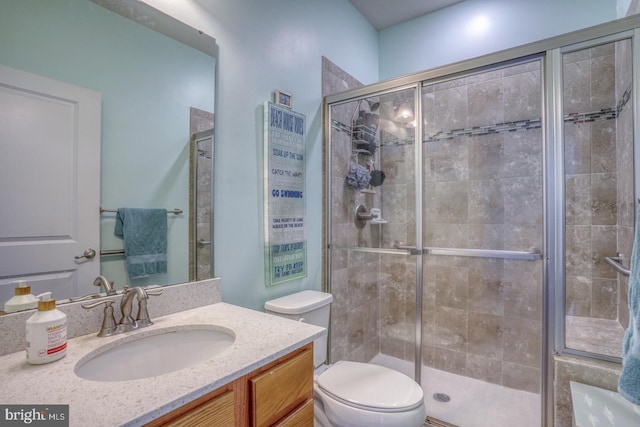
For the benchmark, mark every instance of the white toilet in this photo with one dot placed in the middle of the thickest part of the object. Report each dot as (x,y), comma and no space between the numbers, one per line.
(351,394)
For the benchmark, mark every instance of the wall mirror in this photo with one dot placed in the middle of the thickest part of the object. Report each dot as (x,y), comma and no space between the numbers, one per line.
(156,78)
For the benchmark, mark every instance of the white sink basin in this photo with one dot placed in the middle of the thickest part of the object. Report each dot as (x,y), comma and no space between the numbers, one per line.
(159,352)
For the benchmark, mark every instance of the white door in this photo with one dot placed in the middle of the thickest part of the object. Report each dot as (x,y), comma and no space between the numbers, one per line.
(49,184)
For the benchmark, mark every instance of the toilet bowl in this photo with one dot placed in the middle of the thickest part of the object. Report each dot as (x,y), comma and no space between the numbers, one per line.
(354,394)
(351,394)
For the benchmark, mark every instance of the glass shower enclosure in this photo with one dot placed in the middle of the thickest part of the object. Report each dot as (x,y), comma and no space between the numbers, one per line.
(456,222)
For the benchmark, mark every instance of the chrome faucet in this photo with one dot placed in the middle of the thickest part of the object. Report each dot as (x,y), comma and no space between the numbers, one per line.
(127,322)
(98,281)
(108,286)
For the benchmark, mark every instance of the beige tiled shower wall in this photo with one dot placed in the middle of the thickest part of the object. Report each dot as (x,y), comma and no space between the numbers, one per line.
(598,181)
(354,275)
(200,191)
(482,317)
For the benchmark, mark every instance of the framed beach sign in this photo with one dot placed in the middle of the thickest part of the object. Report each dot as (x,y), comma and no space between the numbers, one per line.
(284,194)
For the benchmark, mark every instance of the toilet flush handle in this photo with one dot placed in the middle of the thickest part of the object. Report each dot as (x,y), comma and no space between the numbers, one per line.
(301,319)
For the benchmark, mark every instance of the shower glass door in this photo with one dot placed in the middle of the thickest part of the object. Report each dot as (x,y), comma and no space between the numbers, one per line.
(371,221)
(599,194)
(482,154)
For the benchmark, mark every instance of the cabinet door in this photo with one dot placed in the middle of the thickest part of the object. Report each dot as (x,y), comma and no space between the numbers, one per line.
(276,392)
(301,417)
(216,412)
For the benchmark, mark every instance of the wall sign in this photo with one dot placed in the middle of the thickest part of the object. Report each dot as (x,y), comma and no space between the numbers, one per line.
(284,194)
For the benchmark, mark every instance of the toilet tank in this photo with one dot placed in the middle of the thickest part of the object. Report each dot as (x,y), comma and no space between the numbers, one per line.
(306,306)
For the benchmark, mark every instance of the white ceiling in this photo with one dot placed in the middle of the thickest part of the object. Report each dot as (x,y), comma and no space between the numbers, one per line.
(385,13)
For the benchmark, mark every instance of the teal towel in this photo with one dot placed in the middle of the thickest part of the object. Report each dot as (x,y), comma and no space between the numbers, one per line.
(629,382)
(144,232)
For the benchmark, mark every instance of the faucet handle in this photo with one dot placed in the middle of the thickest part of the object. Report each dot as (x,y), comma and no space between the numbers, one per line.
(84,297)
(143,313)
(143,319)
(153,290)
(89,305)
(109,326)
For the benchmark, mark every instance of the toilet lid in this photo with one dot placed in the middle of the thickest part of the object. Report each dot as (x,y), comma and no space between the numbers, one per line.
(370,387)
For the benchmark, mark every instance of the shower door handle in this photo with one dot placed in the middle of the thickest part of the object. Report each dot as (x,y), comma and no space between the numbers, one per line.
(532,255)
(412,249)
(405,247)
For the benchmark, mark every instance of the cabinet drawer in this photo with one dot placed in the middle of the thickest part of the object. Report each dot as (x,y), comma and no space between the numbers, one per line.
(280,389)
(217,412)
(301,417)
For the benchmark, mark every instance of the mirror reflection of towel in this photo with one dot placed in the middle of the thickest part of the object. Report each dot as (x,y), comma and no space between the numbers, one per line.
(144,232)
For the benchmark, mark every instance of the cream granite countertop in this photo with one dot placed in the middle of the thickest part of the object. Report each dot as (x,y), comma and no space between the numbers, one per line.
(260,339)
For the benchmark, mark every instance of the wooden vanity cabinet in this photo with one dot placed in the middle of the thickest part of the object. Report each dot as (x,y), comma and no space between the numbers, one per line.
(215,409)
(277,391)
(277,394)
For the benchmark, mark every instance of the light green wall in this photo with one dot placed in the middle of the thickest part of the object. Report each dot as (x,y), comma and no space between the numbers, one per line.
(148,83)
(264,46)
(446,36)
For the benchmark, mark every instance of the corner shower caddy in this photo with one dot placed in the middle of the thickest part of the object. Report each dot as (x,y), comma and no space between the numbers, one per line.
(364,141)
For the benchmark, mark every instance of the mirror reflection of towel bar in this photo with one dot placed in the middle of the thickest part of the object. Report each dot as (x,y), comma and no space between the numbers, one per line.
(112,252)
(175,211)
(615,262)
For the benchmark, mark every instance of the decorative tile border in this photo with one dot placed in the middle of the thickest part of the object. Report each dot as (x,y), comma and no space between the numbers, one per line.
(485,130)
(575,118)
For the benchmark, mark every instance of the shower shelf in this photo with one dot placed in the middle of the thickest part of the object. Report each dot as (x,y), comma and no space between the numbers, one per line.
(364,127)
(363,139)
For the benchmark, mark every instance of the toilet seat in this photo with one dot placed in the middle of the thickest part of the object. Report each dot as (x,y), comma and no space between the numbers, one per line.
(370,387)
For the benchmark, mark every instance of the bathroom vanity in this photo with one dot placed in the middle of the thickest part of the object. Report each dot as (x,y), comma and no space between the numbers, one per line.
(264,377)
(278,394)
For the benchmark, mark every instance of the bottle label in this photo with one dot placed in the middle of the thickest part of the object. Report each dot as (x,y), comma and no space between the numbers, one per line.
(56,338)
(46,344)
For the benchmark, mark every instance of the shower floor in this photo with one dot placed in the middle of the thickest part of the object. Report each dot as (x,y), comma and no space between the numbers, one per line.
(473,403)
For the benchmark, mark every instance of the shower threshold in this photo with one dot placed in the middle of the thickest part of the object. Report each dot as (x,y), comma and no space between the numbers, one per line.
(434,422)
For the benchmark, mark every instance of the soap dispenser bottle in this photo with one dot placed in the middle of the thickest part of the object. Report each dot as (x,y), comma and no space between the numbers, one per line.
(46,332)
(22,298)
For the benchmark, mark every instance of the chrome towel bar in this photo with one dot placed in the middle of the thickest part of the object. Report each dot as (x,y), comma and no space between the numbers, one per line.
(112,252)
(121,251)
